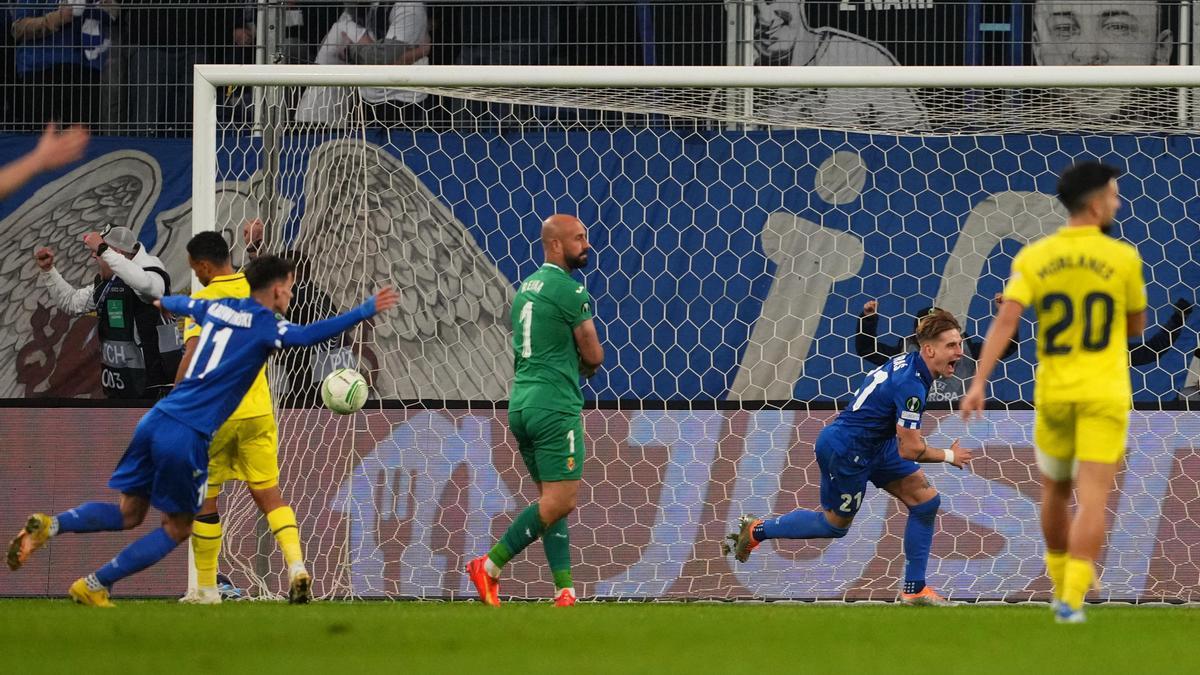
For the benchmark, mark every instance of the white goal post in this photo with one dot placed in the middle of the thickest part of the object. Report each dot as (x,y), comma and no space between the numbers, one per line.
(208,77)
(743,218)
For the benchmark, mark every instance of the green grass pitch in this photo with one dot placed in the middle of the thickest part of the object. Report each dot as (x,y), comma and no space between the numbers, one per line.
(161,636)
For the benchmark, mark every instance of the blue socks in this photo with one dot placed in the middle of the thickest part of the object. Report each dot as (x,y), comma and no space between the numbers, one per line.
(136,557)
(800,525)
(918,538)
(91,517)
(918,535)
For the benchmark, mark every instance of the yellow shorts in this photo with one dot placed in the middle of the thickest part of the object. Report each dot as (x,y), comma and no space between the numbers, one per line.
(1090,431)
(245,449)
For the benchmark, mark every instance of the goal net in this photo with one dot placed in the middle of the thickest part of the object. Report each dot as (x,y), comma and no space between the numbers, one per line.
(763,237)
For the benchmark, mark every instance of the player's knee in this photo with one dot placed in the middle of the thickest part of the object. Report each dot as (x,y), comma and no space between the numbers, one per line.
(133,513)
(836,525)
(836,532)
(927,508)
(553,509)
(178,529)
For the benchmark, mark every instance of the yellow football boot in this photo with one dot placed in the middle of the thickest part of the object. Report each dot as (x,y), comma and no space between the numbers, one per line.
(83,595)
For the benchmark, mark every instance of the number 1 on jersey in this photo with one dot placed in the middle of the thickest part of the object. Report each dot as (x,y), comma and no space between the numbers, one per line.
(220,339)
(526,319)
(877,376)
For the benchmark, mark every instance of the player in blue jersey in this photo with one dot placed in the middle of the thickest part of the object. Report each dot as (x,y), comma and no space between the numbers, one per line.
(878,439)
(166,464)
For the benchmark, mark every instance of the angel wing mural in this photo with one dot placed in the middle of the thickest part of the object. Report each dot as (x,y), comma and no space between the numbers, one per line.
(43,351)
(367,223)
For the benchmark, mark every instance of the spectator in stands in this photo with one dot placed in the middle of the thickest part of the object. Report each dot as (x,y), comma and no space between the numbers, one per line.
(877,353)
(508,34)
(375,34)
(333,105)
(165,41)
(61,50)
(400,37)
(140,347)
(305,26)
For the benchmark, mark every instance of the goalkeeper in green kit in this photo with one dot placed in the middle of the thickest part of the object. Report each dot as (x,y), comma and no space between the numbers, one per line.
(554,342)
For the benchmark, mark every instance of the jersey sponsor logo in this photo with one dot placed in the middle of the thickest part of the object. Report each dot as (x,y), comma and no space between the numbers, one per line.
(913,404)
(578,290)
(586,307)
(910,416)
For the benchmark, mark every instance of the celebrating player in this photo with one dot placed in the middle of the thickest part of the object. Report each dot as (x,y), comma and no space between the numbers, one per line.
(554,341)
(878,439)
(166,464)
(1089,295)
(244,448)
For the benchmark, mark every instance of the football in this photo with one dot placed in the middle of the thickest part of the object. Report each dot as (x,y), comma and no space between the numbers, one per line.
(344,391)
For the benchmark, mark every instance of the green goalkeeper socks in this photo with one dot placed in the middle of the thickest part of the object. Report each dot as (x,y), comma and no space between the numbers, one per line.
(558,552)
(523,532)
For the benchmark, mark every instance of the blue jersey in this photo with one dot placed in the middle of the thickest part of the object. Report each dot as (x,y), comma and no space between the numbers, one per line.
(237,336)
(892,394)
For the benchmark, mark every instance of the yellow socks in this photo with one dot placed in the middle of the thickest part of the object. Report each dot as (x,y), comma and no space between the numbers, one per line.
(283,525)
(1056,567)
(206,548)
(1077,581)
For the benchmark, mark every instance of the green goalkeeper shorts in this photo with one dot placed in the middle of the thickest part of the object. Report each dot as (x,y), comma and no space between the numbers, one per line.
(550,441)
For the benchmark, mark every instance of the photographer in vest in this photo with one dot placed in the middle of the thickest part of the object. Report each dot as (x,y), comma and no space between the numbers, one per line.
(140,348)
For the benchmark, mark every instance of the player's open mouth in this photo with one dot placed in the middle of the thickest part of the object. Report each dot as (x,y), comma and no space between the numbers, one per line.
(950,366)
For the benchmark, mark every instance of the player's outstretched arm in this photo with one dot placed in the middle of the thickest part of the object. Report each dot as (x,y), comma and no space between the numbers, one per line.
(182,305)
(911,445)
(591,353)
(999,335)
(294,335)
(52,151)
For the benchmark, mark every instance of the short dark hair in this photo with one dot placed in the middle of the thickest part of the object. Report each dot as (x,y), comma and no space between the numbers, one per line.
(266,270)
(934,323)
(1080,180)
(209,246)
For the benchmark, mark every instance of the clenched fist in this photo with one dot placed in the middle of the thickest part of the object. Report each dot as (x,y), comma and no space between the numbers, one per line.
(44,258)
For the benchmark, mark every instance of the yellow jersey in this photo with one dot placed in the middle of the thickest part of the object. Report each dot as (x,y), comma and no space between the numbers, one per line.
(1081,283)
(257,401)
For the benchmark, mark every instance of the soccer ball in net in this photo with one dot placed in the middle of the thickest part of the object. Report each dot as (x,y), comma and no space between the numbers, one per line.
(344,391)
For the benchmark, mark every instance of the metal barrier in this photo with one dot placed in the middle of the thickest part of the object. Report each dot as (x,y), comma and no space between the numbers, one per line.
(124,68)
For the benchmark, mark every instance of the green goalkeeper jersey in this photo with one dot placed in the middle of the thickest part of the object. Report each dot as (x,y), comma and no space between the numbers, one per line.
(548,307)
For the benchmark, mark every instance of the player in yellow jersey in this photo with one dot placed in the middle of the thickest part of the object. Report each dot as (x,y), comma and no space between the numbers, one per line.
(1090,296)
(244,448)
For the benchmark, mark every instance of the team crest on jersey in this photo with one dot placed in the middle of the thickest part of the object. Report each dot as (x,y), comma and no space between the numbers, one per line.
(913,404)
(570,464)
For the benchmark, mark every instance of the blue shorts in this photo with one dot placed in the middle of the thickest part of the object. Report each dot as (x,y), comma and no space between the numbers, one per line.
(166,461)
(845,472)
